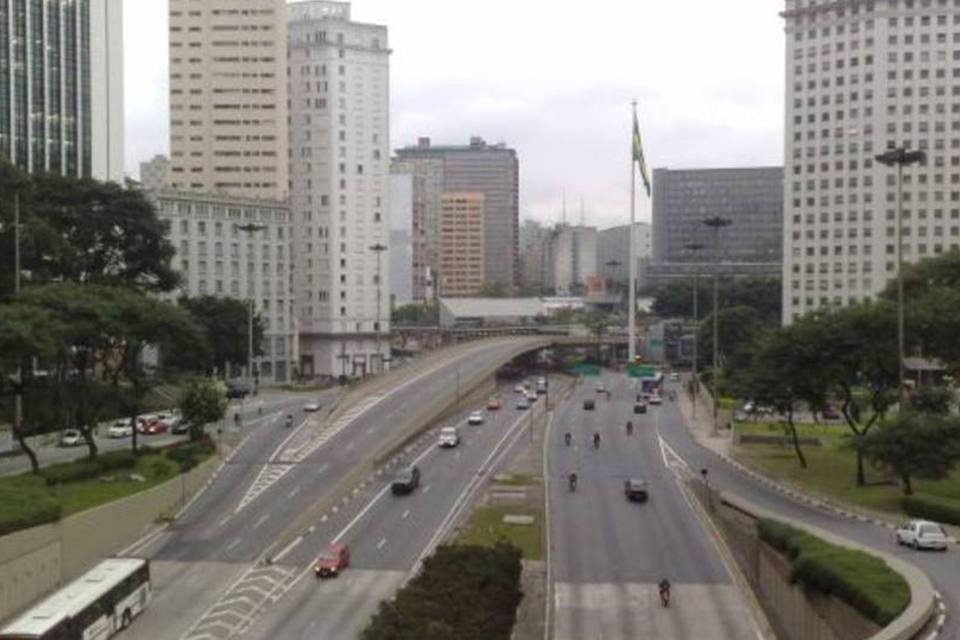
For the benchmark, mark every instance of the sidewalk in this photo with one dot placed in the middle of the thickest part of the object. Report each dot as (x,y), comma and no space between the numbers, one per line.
(701,425)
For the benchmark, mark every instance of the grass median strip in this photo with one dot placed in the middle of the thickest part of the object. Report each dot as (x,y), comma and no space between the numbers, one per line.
(487,528)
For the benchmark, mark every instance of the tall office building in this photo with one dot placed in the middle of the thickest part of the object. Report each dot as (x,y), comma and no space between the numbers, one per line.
(571,259)
(340,171)
(750,198)
(402,259)
(494,171)
(61,86)
(613,251)
(228,97)
(427,176)
(461,270)
(862,77)
(533,239)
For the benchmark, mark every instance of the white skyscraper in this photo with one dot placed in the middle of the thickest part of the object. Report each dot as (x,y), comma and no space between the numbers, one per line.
(61,86)
(861,77)
(339,171)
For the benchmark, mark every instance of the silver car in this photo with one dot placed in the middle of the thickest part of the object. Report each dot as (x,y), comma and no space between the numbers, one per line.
(922,534)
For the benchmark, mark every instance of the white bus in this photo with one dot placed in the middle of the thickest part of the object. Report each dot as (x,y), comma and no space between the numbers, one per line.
(95,606)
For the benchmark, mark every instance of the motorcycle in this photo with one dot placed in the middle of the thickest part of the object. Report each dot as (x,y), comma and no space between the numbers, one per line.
(629,428)
(665,593)
(572,480)
(567,438)
(289,421)
(596,441)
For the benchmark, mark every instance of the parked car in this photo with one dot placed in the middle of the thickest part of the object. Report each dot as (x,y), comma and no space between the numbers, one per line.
(334,560)
(476,417)
(922,534)
(180,426)
(589,405)
(493,404)
(154,427)
(406,480)
(640,407)
(145,421)
(829,413)
(121,429)
(312,406)
(522,404)
(169,419)
(449,437)
(71,438)
(236,389)
(635,490)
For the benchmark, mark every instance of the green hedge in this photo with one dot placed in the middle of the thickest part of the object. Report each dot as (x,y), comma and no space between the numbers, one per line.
(863,581)
(933,508)
(86,469)
(463,592)
(26,502)
(190,454)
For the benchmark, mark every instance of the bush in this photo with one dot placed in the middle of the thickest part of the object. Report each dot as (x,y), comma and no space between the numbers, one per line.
(26,502)
(122,459)
(190,454)
(933,508)
(71,471)
(463,592)
(863,581)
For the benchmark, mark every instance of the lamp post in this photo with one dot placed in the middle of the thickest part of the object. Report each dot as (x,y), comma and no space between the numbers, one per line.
(250,228)
(695,247)
(716,223)
(18,398)
(901,158)
(379,248)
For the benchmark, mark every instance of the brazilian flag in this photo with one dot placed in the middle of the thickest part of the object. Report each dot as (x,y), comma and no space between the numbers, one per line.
(638,155)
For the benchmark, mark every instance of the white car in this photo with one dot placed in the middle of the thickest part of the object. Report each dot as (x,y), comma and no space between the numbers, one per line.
(532,396)
(475,418)
(922,534)
(120,429)
(674,376)
(312,406)
(449,437)
(599,388)
(655,398)
(519,389)
(71,438)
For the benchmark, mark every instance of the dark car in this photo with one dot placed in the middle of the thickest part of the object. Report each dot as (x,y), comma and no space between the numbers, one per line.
(180,426)
(829,413)
(406,480)
(237,390)
(635,490)
(640,407)
(589,405)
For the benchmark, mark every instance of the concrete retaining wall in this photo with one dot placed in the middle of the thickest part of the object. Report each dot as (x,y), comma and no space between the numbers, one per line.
(36,561)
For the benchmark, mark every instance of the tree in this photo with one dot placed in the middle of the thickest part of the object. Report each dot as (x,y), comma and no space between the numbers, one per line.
(931,400)
(914,445)
(226,326)
(495,289)
(763,295)
(83,231)
(738,326)
(202,401)
(418,314)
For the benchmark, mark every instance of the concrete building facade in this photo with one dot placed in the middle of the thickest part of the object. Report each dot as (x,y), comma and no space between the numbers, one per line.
(533,254)
(61,87)
(494,171)
(462,244)
(862,77)
(751,198)
(613,246)
(216,258)
(401,252)
(228,97)
(571,258)
(339,170)
(427,176)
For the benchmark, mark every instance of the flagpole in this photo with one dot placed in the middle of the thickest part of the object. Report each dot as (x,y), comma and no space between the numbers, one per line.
(632,296)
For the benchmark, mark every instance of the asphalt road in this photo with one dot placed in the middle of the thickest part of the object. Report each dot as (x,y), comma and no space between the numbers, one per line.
(211,554)
(609,554)
(942,568)
(388,534)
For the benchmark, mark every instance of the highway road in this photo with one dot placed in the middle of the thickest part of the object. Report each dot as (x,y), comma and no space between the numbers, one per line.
(208,570)
(388,535)
(609,554)
(943,568)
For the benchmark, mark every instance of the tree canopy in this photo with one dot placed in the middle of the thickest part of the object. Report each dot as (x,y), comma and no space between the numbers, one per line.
(763,295)
(225,324)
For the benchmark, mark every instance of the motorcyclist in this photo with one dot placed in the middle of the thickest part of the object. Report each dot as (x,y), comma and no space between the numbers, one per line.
(665,592)
(596,440)
(572,480)
(236,418)
(567,438)
(289,421)
(629,428)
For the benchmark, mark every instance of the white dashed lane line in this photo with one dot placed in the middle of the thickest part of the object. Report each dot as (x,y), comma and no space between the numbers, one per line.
(294,492)
(380,544)
(426,489)
(233,544)
(261,520)
(405,514)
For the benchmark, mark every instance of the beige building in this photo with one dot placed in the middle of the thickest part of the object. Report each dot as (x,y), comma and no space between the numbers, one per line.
(462,244)
(228,97)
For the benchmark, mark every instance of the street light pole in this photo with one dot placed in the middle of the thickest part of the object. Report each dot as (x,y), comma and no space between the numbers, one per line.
(900,157)
(18,398)
(250,228)
(695,247)
(379,248)
(716,223)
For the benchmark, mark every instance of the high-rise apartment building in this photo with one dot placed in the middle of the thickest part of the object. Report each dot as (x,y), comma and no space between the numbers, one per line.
(228,97)
(61,86)
(402,259)
(427,176)
(862,77)
(461,270)
(339,170)
(494,171)
(613,251)
(571,259)
(750,198)
(533,252)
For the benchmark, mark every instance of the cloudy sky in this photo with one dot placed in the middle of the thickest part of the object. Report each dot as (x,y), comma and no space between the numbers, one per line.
(552,78)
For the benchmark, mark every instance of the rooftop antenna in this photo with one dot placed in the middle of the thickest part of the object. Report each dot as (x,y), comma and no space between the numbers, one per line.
(563,211)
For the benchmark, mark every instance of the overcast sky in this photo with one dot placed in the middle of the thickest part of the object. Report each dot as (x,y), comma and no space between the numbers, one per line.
(552,78)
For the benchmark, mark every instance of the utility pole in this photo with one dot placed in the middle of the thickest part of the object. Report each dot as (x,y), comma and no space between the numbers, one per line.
(379,248)
(632,294)
(18,398)
(695,247)
(250,229)
(900,157)
(716,223)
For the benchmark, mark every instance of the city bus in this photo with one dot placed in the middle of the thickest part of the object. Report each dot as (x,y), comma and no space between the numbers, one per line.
(95,606)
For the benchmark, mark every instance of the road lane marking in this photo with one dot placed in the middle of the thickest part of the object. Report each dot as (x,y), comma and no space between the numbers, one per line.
(426,489)
(322,468)
(380,544)
(405,514)
(294,492)
(233,544)
(287,549)
(261,520)
(224,521)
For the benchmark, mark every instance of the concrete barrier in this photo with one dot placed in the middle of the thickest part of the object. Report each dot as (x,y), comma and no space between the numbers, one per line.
(36,561)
